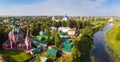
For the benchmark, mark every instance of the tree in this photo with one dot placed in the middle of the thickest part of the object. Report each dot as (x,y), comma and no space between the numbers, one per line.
(88,32)
(78,24)
(63,24)
(53,33)
(4,30)
(75,54)
(43,26)
(54,23)
(68,23)
(47,31)
(85,44)
(57,39)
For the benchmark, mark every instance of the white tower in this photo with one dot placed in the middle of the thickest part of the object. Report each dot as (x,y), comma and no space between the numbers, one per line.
(27,40)
(53,18)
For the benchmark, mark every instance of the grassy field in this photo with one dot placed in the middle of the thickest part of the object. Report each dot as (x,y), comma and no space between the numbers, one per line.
(14,55)
(113,39)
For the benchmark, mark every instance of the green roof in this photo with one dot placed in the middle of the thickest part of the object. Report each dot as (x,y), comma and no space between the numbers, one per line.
(40,37)
(38,41)
(43,42)
(63,33)
(67,45)
(51,52)
(66,40)
(51,38)
(63,40)
(36,50)
(67,48)
(36,45)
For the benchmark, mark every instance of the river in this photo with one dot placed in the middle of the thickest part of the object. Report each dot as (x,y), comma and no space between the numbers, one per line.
(99,53)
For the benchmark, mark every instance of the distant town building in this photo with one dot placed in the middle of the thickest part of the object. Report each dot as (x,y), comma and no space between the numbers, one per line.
(6,20)
(80,17)
(53,18)
(110,20)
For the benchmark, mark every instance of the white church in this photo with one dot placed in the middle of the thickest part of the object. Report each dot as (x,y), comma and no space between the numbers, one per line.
(65,18)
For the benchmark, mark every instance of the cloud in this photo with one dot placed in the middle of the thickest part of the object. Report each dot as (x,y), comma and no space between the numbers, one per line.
(61,7)
(2,11)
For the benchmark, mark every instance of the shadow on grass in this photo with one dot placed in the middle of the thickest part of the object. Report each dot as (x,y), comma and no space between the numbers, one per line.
(7,54)
(7,58)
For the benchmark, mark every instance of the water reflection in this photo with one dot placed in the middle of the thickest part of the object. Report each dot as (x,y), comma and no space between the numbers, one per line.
(98,52)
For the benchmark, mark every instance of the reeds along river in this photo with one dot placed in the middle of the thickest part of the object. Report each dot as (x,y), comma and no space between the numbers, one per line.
(99,52)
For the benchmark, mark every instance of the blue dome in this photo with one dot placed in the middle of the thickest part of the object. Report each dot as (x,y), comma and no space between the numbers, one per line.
(65,16)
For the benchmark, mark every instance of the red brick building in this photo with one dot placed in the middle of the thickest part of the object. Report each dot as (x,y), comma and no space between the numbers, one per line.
(16,41)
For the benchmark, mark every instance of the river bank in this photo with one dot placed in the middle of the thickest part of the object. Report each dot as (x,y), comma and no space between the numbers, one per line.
(113,43)
(99,53)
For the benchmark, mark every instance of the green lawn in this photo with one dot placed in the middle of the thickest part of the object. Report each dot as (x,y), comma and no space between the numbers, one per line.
(14,55)
(113,39)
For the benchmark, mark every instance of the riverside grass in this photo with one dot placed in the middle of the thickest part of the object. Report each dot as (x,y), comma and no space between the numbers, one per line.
(113,39)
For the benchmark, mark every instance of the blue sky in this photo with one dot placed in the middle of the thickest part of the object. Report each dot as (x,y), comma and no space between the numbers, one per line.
(60,7)
(15,2)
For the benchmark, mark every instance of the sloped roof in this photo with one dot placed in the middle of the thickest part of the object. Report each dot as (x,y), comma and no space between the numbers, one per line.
(63,33)
(67,45)
(38,41)
(66,40)
(39,37)
(43,42)
(36,50)
(36,45)
(51,52)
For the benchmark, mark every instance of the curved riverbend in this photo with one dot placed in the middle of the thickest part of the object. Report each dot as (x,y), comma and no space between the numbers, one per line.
(99,53)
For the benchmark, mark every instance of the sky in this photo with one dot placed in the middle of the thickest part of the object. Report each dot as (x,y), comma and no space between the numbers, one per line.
(60,7)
